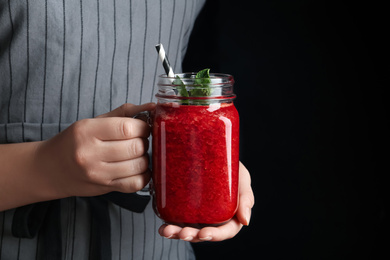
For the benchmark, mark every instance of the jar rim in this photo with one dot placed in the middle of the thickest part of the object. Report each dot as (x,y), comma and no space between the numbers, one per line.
(173,97)
(215,78)
(218,87)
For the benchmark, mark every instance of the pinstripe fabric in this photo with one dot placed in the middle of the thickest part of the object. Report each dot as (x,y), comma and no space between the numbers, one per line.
(61,61)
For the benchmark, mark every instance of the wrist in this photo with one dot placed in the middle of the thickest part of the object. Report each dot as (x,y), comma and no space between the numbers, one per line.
(45,171)
(23,179)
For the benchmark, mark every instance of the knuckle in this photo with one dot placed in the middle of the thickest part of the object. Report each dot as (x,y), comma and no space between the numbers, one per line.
(87,167)
(138,182)
(142,164)
(80,129)
(80,157)
(79,143)
(132,184)
(250,199)
(125,128)
(83,163)
(136,147)
(137,166)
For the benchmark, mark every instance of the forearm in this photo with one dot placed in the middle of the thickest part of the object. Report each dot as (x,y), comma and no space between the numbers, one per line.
(22,180)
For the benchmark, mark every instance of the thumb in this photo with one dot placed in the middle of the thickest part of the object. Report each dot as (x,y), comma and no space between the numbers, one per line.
(246,197)
(129,110)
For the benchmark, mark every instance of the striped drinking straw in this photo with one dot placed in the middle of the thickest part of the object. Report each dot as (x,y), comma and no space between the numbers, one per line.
(164,59)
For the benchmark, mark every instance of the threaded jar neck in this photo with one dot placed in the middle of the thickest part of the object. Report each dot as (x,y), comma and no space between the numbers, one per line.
(218,87)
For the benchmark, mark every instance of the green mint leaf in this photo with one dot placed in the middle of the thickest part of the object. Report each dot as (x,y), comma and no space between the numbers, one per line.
(203,74)
(182,89)
(201,82)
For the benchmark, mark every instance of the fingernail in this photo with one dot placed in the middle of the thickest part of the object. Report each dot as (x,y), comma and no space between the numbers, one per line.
(189,238)
(205,238)
(248,216)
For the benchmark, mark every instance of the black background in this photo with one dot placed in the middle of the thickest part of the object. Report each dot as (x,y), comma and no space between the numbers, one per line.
(310,84)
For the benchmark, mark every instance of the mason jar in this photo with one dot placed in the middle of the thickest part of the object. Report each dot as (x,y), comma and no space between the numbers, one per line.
(195,151)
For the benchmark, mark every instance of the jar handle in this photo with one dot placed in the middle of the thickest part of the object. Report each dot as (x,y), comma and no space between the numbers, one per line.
(144,116)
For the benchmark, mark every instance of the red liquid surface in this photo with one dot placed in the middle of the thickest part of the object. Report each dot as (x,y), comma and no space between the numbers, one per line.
(195,163)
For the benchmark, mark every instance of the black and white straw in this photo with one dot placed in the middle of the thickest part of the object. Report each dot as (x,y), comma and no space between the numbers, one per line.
(164,59)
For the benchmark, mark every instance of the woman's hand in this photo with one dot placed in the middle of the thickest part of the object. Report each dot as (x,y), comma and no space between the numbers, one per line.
(226,231)
(89,158)
(99,155)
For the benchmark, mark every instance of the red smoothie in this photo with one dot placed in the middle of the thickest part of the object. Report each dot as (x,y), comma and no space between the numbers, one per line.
(195,163)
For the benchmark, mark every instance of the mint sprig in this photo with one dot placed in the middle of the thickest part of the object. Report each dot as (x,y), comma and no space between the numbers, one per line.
(201,87)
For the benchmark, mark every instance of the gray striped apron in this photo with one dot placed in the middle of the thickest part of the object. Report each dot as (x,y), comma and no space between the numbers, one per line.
(65,60)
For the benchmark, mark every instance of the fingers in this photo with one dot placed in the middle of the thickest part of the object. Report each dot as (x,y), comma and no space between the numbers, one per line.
(169,231)
(125,128)
(131,183)
(246,197)
(175,232)
(116,151)
(129,110)
(127,168)
(114,128)
(226,231)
